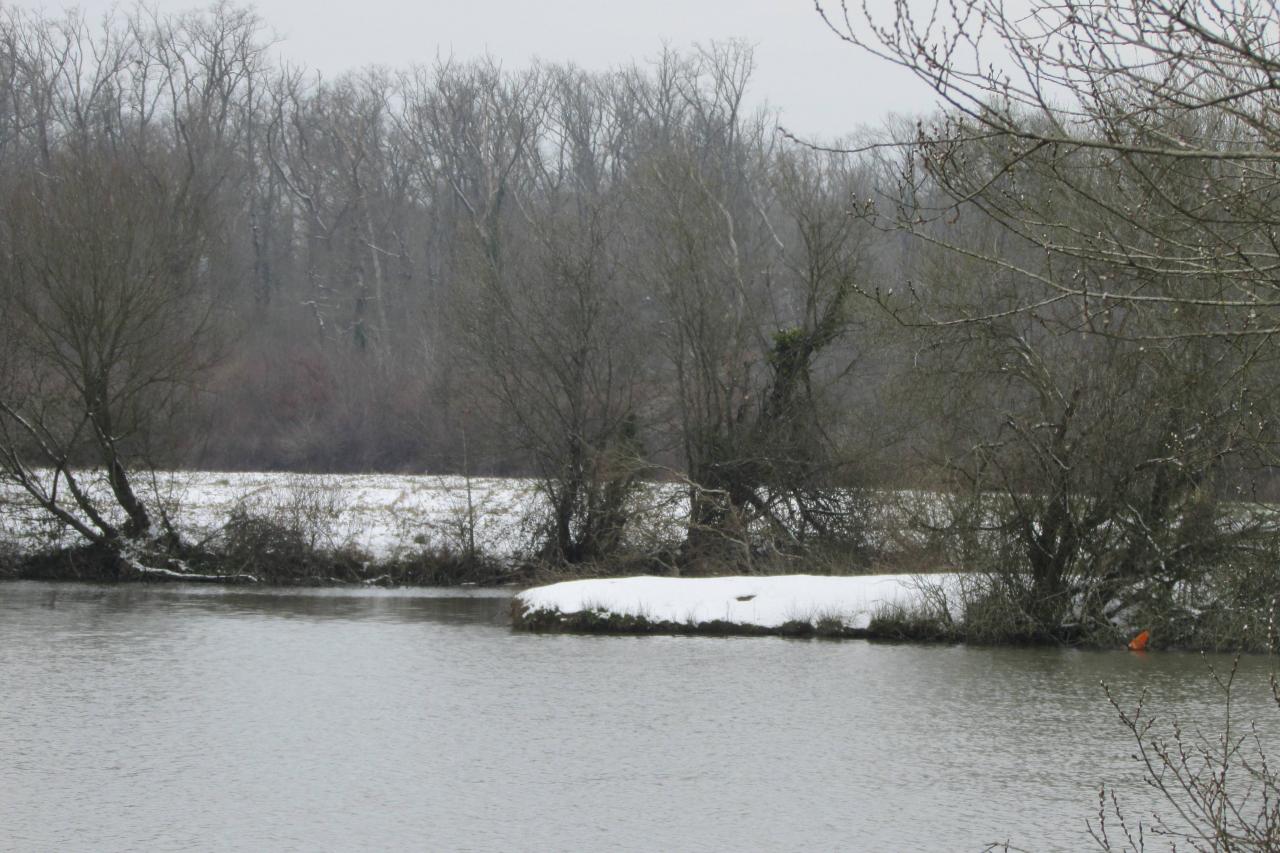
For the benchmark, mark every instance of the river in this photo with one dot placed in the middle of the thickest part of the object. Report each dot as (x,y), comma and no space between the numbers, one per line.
(167,718)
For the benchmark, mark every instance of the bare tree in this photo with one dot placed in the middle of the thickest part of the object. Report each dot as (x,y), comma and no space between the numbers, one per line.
(753,263)
(110,318)
(550,329)
(109,243)
(1131,145)
(1099,187)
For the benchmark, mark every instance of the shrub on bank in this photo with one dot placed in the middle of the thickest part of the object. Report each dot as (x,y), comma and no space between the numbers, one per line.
(277,552)
(1223,612)
(1226,610)
(443,567)
(904,623)
(9,560)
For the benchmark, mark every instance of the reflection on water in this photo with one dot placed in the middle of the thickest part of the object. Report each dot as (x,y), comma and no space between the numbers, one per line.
(165,717)
(395,605)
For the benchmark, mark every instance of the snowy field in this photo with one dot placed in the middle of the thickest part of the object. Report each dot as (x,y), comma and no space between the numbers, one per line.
(386,516)
(765,602)
(383,515)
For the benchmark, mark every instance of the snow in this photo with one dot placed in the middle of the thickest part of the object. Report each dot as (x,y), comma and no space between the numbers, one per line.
(135,561)
(382,515)
(766,602)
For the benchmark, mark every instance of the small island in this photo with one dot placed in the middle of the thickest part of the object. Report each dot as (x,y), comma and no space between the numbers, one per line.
(866,606)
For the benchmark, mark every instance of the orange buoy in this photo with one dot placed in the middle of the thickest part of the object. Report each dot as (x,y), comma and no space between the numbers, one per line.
(1139,643)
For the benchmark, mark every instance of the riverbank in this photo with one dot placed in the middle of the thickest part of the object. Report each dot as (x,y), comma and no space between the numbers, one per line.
(272,561)
(942,607)
(939,607)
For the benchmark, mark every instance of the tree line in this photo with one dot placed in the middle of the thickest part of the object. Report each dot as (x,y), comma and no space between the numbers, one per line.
(1049,307)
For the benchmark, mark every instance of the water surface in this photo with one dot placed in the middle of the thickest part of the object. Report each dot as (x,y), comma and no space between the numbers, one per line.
(177,718)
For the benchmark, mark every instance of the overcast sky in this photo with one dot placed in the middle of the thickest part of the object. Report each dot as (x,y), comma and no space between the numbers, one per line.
(822,86)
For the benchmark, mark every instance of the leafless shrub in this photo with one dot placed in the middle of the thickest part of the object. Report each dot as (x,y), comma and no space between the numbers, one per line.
(291,534)
(1216,790)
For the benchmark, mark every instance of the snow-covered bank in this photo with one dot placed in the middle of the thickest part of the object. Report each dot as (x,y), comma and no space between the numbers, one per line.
(747,601)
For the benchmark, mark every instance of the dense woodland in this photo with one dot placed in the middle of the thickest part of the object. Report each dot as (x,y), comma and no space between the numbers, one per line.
(1051,306)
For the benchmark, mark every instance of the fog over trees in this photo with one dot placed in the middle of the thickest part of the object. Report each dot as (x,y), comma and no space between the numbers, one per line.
(1052,303)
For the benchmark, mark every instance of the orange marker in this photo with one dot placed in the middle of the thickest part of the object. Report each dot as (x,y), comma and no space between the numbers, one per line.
(1139,643)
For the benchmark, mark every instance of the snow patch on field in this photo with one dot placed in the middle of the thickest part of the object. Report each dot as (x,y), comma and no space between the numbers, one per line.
(765,602)
(382,515)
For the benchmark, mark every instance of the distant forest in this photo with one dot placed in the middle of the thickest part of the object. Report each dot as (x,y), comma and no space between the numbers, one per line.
(457,265)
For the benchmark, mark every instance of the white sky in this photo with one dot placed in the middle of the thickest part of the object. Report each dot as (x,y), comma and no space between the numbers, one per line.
(822,86)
